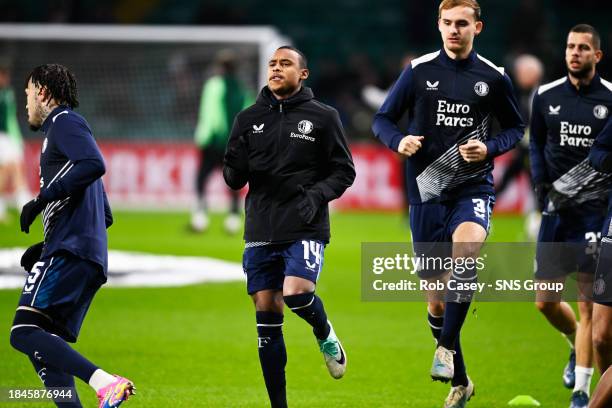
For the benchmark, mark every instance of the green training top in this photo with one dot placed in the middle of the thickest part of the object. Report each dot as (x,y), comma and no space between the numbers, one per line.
(8,116)
(223,96)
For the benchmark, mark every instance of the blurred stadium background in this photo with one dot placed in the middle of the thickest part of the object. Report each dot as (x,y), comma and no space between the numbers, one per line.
(140,66)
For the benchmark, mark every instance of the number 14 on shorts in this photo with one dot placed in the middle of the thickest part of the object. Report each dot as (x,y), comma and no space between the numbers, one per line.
(314,249)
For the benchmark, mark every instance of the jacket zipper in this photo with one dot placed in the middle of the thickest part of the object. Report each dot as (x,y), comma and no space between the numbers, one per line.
(278,141)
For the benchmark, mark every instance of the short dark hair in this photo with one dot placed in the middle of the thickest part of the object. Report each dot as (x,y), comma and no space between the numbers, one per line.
(59,82)
(588,29)
(303,60)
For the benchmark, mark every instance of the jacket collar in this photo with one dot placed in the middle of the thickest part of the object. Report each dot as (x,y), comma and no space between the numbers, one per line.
(584,89)
(453,63)
(266,97)
(51,118)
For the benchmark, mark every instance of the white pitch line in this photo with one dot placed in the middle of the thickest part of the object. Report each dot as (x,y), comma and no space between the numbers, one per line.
(136,269)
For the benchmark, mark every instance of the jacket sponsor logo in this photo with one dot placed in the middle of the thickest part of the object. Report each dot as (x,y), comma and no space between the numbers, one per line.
(305,126)
(600,111)
(258,129)
(554,110)
(570,135)
(432,86)
(481,88)
(445,108)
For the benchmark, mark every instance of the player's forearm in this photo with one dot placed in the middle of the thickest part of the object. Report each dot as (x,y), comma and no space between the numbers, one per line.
(504,141)
(341,178)
(108,214)
(387,131)
(234,178)
(77,179)
(537,164)
(601,158)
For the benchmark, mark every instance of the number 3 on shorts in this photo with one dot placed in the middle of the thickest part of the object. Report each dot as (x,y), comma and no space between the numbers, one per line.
(479,208)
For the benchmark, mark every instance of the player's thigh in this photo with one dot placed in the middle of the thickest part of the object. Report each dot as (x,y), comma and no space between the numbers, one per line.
(602,323)
(545,297)
(469,218)
(554,260)
(303,264)
(62,287)
(427,225)
(263,267)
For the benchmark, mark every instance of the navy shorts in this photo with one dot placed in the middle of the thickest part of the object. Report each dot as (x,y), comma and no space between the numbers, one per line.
(62,287)
(436,223)
(567,244)
(266,266)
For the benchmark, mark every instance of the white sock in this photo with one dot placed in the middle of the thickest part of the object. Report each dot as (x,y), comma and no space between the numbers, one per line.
(100,379)
(583,379)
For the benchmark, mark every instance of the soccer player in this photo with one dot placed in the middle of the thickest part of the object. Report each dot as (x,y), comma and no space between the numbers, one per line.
(67,269)
(451,96)
(601,158)
(567,115)
(223,96)
(11,144)
(292,152)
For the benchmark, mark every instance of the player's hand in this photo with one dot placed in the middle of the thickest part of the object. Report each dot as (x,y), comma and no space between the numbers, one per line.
(541,192)
(557,200)
(309,205)
(31,256)
(409,145)
(29,212)
(473,151)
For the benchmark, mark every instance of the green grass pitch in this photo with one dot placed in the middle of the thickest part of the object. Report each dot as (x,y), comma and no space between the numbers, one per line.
(195,346)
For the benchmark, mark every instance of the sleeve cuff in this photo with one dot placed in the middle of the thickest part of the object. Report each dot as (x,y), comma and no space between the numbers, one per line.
(395,141)
(492,148)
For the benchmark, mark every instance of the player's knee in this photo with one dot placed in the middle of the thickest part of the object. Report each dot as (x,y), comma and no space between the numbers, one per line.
(467,249)
(546,307)
(436,308)
(299,301)
(19,337)
(602,339)
(25,323)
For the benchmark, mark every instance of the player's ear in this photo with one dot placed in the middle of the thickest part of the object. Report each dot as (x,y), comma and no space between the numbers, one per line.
(304,72)
(479,27)
(598,56)
(42,92)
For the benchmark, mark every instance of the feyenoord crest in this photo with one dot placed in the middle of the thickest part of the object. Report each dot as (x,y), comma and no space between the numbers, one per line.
(44,145)
(600,111)
(305,126)
(481,88)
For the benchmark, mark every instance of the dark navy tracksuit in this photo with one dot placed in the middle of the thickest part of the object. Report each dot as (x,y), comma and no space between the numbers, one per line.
(449,102)
(74,260)
(565,121)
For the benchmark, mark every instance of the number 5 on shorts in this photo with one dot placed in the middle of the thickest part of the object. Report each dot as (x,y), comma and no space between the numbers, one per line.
(32,277)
